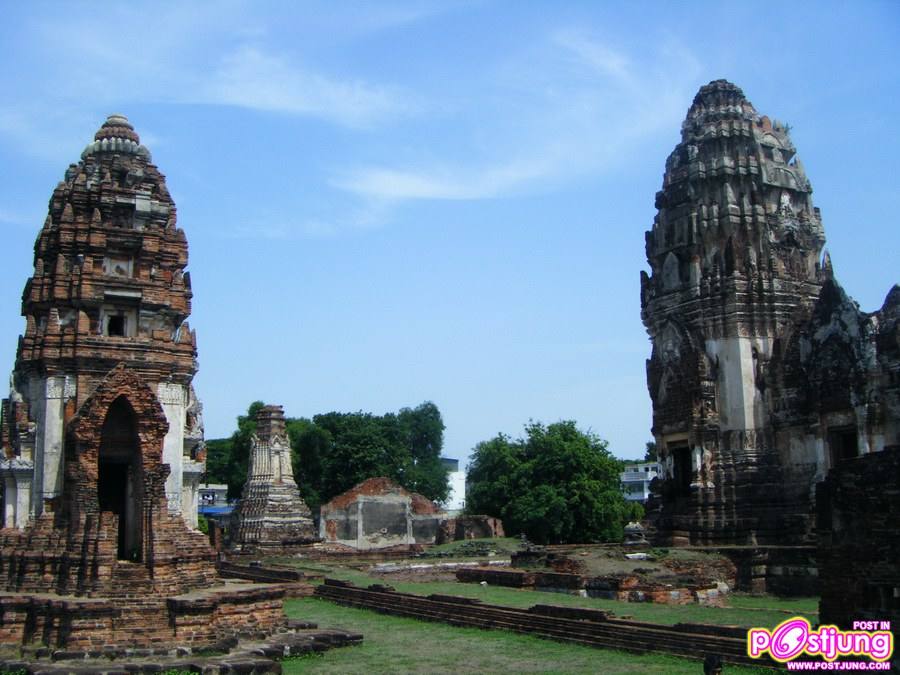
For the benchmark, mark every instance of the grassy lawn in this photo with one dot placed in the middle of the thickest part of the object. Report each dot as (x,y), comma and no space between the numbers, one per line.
(808,607)
(744,610)
(472,548)
(401,645)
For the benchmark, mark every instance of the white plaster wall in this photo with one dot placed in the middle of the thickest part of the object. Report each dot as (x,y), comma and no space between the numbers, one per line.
(190,493)
(740,404)
(54,421)
(10,497)
(23,500)
(47,406)
(173,398)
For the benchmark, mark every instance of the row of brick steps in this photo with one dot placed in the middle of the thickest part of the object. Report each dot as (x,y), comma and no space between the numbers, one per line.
(588,627)
(269,574)
(244,656)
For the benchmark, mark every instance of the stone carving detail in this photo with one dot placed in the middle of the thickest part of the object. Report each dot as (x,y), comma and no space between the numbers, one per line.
(170,394)
(271,513)
(759,358)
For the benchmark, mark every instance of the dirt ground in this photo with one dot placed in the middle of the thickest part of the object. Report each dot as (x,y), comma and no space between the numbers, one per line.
(417,576)
(664,566)
(664,563)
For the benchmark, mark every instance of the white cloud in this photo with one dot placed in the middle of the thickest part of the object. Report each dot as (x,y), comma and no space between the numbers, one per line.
(178,53)
(369,214)
(20,220)
(571,109)
(252,78)
(451,184)
(597,56)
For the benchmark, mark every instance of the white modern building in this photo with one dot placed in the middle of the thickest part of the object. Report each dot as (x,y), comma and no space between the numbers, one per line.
(636,480)
(456,500)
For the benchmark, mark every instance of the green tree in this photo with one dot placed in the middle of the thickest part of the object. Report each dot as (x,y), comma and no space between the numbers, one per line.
(650,454)
(334,451)
(634,512)
(556,485)
(310,444)
(422,432)
(227,458)
(491,475)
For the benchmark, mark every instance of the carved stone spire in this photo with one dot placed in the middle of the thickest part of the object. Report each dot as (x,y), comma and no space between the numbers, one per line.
(271,514)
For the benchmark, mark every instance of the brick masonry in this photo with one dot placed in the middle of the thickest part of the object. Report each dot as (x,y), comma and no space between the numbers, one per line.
(102,436)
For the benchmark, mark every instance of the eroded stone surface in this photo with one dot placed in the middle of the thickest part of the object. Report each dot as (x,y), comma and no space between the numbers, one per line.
(271,513)
(102,435)
(109,287)
(859,541)
(763,373)
(378,513)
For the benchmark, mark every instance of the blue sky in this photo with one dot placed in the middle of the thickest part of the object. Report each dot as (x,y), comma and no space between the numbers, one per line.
(395,202)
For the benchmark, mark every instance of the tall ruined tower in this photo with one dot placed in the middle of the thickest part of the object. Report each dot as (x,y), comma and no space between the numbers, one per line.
(763,374)
(271,514)
(734,252)
(109,288)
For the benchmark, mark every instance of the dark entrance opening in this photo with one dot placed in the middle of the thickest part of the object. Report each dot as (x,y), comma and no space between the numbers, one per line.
(116,326)
(118,476)
(682,465)
(843,444)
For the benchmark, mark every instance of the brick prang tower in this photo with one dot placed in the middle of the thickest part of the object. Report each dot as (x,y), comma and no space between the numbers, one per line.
(109,287)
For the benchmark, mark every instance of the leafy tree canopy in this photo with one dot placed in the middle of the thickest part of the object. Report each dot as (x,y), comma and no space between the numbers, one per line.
(227,458)
(556,485)
(333,452)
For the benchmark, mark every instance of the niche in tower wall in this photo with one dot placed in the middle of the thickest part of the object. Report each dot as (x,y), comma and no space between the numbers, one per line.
(842,443)
(684,474)
(119,476)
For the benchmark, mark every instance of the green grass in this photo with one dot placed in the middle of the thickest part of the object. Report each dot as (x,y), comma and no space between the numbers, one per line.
(402,645)
(745,610)
(808,607)
(502,546)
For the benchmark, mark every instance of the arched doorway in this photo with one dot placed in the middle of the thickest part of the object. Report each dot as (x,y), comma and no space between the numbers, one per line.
(119,476)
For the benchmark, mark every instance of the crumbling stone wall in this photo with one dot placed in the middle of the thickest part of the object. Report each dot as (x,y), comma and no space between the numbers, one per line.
(859,540)
(763,373)
(469,527)
(378,513)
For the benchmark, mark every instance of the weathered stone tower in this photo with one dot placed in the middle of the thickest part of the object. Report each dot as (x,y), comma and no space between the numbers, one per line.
(109,288)
(271,513)
(102,425)
(102,440)
(735,307)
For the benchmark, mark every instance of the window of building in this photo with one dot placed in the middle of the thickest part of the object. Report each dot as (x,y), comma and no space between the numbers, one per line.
(115,326)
